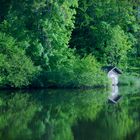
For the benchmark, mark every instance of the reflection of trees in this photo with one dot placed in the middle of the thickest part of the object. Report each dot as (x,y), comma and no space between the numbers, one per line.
(65,108)
(46,115)
(132,102)
(57,114)
(115,122)
(16,111)
(132,90)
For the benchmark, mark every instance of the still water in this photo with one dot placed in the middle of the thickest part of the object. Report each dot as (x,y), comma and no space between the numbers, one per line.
(69,115)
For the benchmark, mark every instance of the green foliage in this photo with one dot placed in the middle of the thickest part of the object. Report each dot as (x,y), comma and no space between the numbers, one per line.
(16,118)
(88,72)
(66,114)
(129,79)
(16,69)
(107,29)
(45,28)
(4,7)
(114,45)
(85,72)
(39,32)
(29,116)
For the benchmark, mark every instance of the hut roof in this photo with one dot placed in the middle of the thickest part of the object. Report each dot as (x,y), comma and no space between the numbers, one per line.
(109,68)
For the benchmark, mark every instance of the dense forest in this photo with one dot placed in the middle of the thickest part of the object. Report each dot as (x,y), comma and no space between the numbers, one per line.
(64,43)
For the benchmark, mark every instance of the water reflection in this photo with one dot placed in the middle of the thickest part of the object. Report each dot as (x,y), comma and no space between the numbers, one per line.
(119,122)
(68,115)
(114,95)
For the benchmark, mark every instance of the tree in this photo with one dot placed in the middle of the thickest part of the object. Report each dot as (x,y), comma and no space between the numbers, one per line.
(16,69)
(45,28)
(97,25)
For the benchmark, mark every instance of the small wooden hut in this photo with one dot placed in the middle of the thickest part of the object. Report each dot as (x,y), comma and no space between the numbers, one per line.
(112,73)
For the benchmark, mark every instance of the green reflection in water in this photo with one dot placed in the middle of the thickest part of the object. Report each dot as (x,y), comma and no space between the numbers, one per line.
(68,115)
(66,107)
(46,114)
(115,121)
(16,111)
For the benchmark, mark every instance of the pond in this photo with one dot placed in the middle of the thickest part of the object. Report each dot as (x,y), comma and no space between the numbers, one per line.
(69,115)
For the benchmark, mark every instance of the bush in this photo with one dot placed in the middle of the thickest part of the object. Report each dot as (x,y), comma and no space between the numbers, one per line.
(76,73)
(129,79)
(16,69)
(88,73)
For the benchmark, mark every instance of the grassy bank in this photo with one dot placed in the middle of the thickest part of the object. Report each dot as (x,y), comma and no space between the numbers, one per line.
(129,79)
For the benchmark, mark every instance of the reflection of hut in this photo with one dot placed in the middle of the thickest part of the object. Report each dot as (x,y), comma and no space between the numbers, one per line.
(114,95)
(112,73)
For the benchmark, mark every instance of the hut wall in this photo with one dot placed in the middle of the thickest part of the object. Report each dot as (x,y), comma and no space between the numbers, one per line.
(113,76)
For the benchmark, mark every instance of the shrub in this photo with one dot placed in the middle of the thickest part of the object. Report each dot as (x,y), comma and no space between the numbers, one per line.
(16,69)
(76,73)
(88,72)
(129,79)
